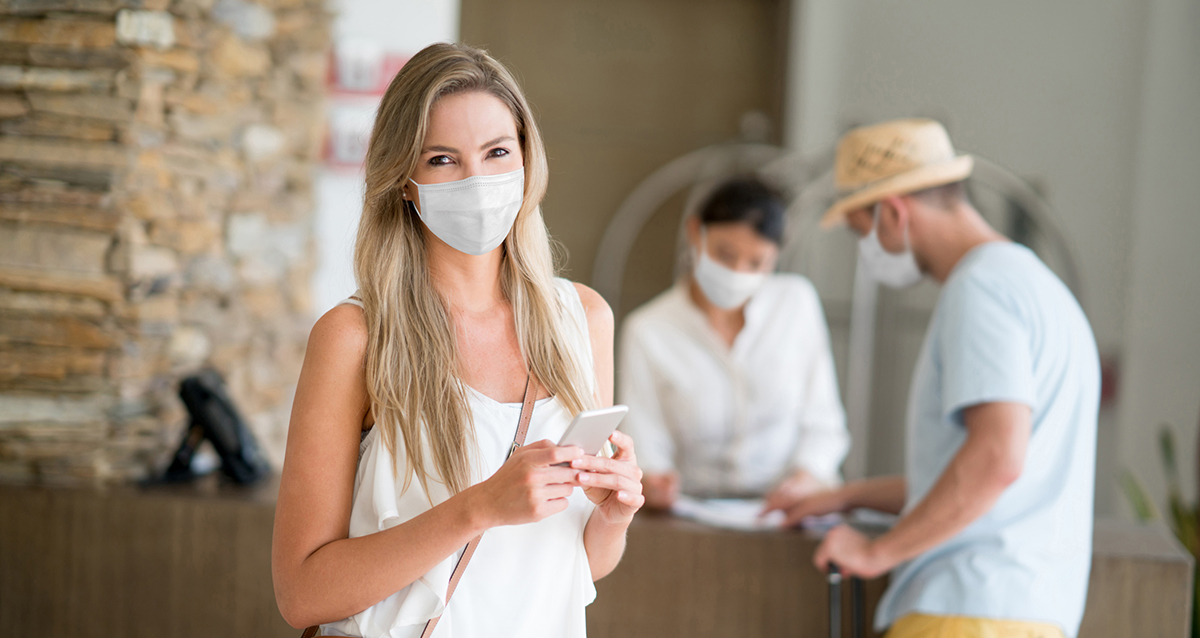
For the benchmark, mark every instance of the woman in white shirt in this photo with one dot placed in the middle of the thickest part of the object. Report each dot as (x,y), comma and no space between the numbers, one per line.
(729,375)
(457,310)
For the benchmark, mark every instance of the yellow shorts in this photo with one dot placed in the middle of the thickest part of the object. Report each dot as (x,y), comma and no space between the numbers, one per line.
(926,626)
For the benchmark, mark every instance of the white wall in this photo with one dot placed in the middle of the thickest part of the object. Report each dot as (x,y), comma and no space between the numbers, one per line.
(400,27)
(1162,380)
(406,26)
(1071,95)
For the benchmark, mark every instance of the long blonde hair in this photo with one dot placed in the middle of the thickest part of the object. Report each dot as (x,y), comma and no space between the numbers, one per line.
(412,359)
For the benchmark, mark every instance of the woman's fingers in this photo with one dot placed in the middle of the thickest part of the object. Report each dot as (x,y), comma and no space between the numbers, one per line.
(557,475)
(550,454)
(554,491)
(614,482)
(602,465)
(624,444)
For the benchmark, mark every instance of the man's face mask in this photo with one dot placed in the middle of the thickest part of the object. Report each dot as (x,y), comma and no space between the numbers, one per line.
(473,215)
(889,269)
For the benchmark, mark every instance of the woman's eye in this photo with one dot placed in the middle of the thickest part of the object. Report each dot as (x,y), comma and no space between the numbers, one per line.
(440,160)
(497,152)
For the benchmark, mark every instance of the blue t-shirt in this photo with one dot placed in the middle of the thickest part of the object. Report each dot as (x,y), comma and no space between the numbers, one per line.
(1006,329)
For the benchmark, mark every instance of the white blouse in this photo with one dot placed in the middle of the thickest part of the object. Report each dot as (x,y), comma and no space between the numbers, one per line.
(524,580)
(733,421)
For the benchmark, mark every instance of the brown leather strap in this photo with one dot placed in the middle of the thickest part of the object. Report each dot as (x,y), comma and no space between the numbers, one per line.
(531,386)
(531,391)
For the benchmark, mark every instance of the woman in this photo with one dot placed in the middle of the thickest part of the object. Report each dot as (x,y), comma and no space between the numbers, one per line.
(729,375)
(457,309)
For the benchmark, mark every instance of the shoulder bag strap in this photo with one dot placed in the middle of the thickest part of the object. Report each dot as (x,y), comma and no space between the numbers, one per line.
(531,386)
(518,440)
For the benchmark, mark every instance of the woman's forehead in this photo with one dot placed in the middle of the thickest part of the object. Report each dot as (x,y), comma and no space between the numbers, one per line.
(466,120)
(738,235)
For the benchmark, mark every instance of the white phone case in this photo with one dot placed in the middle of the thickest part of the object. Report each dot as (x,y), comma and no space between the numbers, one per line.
(591,428)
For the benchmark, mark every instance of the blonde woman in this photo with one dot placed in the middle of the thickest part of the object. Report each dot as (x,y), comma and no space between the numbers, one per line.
(428,365)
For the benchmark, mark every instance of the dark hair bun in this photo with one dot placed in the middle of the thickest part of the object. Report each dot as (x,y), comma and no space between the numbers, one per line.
(747,200)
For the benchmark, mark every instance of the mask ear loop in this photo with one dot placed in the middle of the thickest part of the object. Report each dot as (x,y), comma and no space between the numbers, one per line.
(878,212)
(411,202)
(701,247)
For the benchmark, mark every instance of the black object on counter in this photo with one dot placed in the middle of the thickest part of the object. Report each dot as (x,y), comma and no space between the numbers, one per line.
(216,418)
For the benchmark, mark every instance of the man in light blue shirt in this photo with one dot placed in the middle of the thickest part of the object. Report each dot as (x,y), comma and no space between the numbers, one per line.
(996,503)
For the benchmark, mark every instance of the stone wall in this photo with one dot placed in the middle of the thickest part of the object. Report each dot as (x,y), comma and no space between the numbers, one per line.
(156,162)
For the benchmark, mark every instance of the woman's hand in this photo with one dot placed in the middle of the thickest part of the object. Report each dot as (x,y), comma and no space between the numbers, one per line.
(797,486)
(614,485)
(661,490)
(528,488)
(816,504)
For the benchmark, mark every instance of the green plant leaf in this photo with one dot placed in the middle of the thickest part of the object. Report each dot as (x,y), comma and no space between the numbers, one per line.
(1139,500)
(1166,445)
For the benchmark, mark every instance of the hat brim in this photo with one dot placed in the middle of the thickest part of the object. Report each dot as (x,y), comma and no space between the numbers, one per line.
(917,179)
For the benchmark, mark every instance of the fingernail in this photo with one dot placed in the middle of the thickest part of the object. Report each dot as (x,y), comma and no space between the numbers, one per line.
(583,477)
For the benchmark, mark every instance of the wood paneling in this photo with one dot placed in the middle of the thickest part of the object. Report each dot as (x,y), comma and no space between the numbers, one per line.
(160,563)
(682,579)
(620,88)
(196,561)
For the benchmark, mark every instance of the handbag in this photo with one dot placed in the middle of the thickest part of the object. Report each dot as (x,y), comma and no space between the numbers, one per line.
(531,386)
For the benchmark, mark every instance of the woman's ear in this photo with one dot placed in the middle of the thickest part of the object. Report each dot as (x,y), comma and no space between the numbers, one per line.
(693,230)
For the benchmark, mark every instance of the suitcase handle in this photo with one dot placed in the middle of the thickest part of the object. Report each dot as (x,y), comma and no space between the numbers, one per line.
(857,603)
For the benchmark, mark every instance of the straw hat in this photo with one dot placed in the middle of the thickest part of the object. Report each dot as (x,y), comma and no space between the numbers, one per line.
(892,158)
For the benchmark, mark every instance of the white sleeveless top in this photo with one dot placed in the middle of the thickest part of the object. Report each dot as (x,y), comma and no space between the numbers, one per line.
(529,580)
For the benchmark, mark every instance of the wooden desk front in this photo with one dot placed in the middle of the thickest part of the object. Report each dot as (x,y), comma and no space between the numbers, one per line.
(196,561)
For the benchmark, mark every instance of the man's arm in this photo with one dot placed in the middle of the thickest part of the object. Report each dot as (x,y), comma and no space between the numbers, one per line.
(991,459)
(884,493)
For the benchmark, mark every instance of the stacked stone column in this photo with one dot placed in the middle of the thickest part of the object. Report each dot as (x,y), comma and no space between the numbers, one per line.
(156,170)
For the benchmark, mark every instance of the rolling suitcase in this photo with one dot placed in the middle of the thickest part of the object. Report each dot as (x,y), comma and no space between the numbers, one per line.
(858,617)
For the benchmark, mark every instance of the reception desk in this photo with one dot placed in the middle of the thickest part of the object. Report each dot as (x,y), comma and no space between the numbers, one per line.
(195,561)
(682,579)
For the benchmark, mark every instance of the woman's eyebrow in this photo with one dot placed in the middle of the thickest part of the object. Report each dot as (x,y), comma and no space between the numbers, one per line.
(502,138)
(451,149)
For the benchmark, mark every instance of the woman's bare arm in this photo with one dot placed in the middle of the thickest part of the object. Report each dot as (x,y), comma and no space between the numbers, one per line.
(613,484)
(320,574)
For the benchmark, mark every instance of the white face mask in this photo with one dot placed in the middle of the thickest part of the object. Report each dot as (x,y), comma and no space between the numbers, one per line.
(473,215)
(889,269)
(725,288)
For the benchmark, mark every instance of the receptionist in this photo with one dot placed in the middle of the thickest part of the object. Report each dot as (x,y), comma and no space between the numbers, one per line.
(729,375)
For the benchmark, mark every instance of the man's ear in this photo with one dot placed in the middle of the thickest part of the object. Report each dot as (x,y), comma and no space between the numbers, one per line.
(894,213)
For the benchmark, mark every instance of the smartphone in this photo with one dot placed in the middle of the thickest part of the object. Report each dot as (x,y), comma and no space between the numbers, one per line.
(591,428)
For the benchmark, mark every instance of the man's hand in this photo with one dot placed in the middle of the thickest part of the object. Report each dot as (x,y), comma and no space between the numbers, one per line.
(660,490)
(853,553)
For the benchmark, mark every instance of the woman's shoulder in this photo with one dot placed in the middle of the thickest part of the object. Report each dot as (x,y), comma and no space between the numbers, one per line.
(340,332)
(599,314)
(791,288)
(792,282)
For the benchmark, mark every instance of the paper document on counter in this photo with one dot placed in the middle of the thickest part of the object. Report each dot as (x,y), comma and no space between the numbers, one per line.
(744,514)
(729,513)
